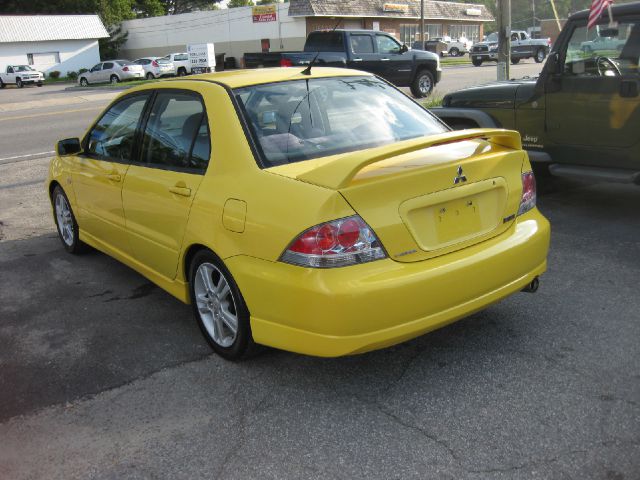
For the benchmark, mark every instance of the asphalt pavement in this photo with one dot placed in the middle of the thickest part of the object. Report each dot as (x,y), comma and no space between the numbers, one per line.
(105,376)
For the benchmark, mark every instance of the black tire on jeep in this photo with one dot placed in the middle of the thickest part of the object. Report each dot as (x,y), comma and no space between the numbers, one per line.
(476,62)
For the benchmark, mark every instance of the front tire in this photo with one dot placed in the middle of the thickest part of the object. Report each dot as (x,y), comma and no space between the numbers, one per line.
(219,308)
(476,62)
(540,55)
(19,83)
(423,84)
(66,223)
(84,82)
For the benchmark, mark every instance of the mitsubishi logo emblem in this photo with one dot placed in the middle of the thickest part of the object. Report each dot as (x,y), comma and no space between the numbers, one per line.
(460,177)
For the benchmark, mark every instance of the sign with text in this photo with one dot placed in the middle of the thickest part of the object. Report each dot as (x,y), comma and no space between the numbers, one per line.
(263,13)
(395,7)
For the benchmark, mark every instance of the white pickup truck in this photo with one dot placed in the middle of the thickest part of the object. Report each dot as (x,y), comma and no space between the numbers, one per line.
(181,62)
(522,46)
(20,75)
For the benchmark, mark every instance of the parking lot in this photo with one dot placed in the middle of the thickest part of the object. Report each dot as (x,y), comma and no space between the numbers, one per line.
(104,375)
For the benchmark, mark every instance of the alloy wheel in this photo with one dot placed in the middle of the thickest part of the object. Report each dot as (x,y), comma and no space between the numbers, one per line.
(64,219)
(424,84)
(216,304)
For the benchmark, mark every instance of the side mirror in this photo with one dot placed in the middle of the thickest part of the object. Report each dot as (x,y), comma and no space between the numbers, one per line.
(404,48)
(68,146)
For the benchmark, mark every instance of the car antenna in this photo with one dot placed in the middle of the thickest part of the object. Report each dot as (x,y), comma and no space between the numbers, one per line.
(307,71)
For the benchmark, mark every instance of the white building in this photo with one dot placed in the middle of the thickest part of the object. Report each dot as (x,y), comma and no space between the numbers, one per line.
(233,31)
(50,42)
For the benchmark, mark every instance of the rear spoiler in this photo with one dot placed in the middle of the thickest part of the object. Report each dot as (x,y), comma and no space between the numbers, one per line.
(338,173)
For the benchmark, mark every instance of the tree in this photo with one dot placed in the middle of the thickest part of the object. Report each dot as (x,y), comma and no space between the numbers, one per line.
(240,3)
(174,7)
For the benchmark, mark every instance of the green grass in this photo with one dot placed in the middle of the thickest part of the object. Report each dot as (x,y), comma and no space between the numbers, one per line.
(431,102)
(121,85)
(444,61)
(49,80)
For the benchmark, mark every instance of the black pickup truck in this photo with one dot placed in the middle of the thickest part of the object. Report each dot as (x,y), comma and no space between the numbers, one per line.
(368,50)
(581,116)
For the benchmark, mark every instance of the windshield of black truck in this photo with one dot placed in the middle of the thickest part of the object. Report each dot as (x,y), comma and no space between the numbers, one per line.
(304,119)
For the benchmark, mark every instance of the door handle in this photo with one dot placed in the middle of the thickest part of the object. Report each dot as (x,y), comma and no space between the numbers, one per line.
(182,191)
(114,177)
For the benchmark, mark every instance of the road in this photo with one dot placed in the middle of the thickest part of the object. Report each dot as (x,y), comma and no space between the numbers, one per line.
(53,113)
(104,376)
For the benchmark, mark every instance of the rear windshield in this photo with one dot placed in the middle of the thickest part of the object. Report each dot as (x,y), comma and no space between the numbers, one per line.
(304,119)
(122,63)
(324,42)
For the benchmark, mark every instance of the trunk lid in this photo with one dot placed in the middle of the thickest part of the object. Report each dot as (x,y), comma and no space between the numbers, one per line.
(429,197)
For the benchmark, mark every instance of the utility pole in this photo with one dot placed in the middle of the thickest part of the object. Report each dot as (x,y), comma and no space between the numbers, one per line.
(422,25)
(504,38)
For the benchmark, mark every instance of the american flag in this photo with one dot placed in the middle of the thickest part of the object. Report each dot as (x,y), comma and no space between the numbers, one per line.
(597,6)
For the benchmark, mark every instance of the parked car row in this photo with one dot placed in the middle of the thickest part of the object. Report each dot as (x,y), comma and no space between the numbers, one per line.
(115,71)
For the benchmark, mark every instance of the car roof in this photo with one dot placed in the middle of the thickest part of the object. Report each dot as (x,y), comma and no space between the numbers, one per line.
(248,77)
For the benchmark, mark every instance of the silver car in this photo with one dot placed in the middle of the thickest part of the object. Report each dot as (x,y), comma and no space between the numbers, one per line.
(155,67)
(112,71)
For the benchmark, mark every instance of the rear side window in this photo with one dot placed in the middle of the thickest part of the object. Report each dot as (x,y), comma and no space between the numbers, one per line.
(112,137)
(176,136)
(324,42)
(361,44)
(180,58)
(107,66)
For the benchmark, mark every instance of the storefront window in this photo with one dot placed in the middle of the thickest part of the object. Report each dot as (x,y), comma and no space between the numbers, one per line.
(471,32)
(410,33)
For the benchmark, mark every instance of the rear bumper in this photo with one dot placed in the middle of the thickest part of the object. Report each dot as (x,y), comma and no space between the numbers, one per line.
(351,310)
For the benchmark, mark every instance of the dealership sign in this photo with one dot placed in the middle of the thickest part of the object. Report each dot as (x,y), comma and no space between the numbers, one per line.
(395,7)
(264,13)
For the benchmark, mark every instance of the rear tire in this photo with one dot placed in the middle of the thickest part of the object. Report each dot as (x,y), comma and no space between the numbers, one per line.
(476,62)
(66,223)
(515,61)
(182,71)
(40,84)
(150,76)
(454,52)
(114,79)
(540,55)
(219,308)
(2,84)
(19,83)
(423,84)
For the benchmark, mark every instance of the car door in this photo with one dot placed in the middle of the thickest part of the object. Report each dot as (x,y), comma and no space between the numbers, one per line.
(396,64)
(108,68)
(593,106)
(99,172)
(363,54)
(93,75)
(159,189)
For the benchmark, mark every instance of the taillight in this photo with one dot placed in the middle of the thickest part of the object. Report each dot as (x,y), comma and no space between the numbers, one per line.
(154,63)
(339,243)
(285,62)
(528,200)
(125,69)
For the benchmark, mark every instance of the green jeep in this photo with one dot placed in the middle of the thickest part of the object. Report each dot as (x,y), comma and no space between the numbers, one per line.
(581,116)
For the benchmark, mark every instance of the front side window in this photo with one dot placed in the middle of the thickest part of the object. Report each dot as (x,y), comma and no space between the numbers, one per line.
(96,68)
(604,51)
(304,119)
(361,44)
(177,135)
(113,136)
(387,44)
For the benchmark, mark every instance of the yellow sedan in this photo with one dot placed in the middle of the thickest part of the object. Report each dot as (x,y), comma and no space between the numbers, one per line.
(319,212)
